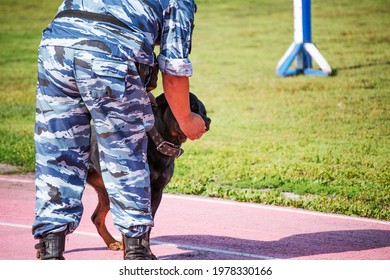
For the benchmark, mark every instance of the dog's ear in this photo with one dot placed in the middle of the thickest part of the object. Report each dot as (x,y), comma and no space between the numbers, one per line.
(161,100)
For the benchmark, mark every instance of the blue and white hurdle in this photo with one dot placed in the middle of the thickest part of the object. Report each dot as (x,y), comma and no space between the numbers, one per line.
(302,50)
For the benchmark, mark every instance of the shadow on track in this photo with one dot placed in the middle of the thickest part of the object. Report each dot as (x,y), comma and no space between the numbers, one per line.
(294,246)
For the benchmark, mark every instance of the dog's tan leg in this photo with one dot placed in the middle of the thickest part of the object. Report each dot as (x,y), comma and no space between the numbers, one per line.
(154,257)
(102,208)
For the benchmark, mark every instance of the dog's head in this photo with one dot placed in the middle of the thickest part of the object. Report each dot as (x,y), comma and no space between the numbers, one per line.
(168,122)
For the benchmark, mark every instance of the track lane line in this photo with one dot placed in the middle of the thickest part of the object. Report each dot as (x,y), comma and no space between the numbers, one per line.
(28,181)
(245,204)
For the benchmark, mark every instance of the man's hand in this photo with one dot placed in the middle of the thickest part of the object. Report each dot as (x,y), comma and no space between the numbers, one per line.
(193,127)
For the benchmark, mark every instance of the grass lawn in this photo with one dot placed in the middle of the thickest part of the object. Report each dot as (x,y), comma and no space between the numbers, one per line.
(320,143)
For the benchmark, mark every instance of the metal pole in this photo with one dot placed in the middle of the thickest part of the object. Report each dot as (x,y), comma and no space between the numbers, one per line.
(302,50)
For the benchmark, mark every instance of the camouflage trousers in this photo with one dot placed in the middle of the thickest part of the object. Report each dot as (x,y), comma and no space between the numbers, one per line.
(74,88)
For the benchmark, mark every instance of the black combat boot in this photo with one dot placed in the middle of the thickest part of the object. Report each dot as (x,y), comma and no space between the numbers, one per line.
(51,247)
(137,248)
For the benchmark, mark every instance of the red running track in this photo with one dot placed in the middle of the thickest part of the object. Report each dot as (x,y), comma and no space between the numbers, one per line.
(196,228)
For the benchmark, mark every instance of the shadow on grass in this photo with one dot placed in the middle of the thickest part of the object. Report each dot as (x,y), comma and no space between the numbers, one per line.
(359,66)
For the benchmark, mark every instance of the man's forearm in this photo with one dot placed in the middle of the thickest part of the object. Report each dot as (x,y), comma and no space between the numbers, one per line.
(176,90)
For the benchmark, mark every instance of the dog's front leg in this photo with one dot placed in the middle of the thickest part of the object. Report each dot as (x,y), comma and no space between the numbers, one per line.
(156,199)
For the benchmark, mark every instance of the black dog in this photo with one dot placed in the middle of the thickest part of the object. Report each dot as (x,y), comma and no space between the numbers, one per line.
(164,147)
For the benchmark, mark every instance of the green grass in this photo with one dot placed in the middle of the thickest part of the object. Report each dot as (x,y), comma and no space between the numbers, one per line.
(21,24)
(324,139)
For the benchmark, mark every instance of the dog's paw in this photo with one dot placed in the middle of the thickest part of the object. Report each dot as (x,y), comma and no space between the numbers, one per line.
(116,246)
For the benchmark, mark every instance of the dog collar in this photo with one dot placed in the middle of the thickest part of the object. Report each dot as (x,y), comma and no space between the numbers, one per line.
(164,147)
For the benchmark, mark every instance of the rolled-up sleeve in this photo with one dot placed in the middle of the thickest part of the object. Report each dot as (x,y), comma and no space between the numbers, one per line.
(176,35)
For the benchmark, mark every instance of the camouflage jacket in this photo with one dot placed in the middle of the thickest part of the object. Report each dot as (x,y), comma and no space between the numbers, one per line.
(147,23)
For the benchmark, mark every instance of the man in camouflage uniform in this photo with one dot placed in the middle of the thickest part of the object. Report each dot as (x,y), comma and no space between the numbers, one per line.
(93,63)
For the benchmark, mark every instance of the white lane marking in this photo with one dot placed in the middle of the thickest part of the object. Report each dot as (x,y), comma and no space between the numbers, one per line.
(245,204)
(27,181)
(155,242)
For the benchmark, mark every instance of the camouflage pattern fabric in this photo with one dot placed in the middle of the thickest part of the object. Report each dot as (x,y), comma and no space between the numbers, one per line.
(89,71)
(167,23)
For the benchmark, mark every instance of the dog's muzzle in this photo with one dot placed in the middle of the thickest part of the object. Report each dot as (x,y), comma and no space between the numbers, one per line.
(207,122)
